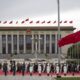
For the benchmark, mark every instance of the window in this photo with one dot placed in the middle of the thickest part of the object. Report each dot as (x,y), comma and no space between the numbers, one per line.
(53,37)
(47,37)
(9,37)
(47,47)
(53,47)
(4,38)
(15,39)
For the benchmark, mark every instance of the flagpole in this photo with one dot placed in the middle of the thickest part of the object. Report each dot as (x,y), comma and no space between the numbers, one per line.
(58,3)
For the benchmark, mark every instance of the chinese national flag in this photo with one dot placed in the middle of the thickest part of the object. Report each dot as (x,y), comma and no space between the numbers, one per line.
(31,22)
(43,22)
(23,22)
(54,22)
(65,21)
(37,21)
(77,37)
(27,19)
(69,39)
(48,21)
(72,38)
(16,22)
(10,22)
(71,22)
(4,22)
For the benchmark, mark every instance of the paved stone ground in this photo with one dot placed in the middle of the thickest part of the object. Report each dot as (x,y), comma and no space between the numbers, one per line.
(26,77)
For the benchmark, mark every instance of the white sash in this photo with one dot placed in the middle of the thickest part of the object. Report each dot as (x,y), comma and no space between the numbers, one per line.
(48,68)
(65,69)
(39,68)
(31,69)
(57,69)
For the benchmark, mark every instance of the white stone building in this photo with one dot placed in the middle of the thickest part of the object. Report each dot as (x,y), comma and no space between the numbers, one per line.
(19,39)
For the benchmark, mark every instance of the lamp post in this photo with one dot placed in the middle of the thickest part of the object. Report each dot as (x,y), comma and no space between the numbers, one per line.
(58,2)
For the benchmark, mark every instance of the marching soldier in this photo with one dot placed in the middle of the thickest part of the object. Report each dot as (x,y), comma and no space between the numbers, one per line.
(5,68)
(14,69)
(31,69)
(57,69)
(35,67)
(48,69)
(39,69)
(65,69)
(28,67)
(52,68)
(23,68)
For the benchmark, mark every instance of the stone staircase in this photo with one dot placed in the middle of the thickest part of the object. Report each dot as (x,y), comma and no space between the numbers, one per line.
(26,56)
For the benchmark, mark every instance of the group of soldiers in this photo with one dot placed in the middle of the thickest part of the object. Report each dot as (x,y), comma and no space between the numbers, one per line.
(38,68)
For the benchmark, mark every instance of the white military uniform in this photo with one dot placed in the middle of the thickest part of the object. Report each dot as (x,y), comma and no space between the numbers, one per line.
(65,69)
(57,69)
(39,68)
(48,68)
(31,68)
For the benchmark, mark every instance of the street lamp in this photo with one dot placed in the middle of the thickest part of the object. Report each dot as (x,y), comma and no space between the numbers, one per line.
(58,2)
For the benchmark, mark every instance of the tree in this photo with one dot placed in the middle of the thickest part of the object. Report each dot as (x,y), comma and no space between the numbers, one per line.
(74,51)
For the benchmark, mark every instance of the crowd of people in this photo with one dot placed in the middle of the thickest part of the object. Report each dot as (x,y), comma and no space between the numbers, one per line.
(38,68)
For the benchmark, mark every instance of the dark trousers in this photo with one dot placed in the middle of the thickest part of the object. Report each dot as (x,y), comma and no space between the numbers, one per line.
(5,73)
(14,73)
(23,73)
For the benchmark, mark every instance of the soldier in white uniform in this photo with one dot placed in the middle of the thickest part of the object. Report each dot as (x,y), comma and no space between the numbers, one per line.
(31,68)
(65,69)
(48,69)
(39,69)
(57,69)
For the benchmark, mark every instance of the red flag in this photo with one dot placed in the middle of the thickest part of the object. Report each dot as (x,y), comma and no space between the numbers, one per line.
(49,22)
(27,19)
(60,22)
(77,37)
(43,22)
(37,21)
(69,39)
(70,21)
(72,38)
(10,22)
(31,22)
(22,22)
(65,21)
(4,22)
(54,22)
(16,22)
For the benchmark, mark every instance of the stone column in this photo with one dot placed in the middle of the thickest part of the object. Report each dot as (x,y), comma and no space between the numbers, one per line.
(32,43)
(56,43)
(44,43)
(39,43)
(17,42)
(0,43)
(50,48)
(12,43)
(24,43)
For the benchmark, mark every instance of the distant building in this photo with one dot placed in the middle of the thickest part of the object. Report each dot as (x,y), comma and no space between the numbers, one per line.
(20,39)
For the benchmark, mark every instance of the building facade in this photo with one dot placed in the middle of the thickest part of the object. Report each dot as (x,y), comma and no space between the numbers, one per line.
(30,39)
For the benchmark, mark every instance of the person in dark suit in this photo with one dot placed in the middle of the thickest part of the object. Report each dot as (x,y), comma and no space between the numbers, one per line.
(28,67)
(5,68)
(23,68)
(14,69)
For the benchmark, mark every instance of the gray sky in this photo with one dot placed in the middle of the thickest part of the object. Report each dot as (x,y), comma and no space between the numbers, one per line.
(40,9)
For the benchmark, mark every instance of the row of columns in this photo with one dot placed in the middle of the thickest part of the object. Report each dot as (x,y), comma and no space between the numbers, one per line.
(33,43)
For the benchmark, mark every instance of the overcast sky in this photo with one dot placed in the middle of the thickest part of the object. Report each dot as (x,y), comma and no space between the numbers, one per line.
(40,9)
